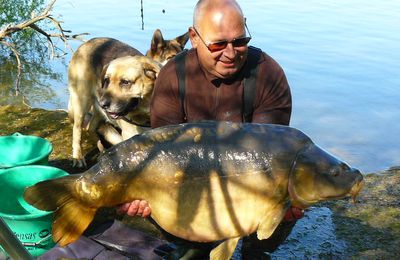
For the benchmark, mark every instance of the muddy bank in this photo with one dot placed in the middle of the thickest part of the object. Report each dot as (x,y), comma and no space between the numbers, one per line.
(369,229)
(52,125)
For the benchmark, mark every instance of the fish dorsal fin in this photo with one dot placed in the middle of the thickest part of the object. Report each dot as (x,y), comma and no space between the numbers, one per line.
(225,250)
(270,221)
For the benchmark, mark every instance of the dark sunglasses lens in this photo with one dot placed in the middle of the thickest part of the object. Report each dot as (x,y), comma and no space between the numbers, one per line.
(217,46)
(241,42)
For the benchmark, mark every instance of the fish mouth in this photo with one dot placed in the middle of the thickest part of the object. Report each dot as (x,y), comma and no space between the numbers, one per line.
(355,190)
(303,203)
(353,193)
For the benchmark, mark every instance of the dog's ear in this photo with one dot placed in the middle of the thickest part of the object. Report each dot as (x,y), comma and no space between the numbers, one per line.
(182,40)
(151,68)
(157,41)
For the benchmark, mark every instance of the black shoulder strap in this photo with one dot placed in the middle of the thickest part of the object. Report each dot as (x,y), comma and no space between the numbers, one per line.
(249,88)
(180,72)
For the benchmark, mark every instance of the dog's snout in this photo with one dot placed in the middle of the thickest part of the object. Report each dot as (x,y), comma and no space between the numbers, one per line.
(105,103)
(133,103)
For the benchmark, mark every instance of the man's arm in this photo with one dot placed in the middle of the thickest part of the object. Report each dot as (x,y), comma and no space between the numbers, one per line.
(273,105)
(165,106)
(273,102)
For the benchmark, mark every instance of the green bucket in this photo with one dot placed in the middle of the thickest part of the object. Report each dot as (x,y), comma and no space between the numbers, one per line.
(30,225)
(18,149)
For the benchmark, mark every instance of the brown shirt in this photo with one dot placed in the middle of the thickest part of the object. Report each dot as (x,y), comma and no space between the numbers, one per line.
(211,98)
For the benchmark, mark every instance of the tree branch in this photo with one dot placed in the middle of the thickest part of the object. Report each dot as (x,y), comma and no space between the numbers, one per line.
(9,29)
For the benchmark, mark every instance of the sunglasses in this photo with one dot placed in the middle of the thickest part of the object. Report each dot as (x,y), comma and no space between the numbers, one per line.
(220,45)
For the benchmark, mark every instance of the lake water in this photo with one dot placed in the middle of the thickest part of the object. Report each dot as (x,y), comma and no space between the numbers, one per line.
(341,57)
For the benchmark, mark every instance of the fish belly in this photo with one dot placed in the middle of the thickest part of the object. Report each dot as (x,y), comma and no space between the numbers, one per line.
(212,208)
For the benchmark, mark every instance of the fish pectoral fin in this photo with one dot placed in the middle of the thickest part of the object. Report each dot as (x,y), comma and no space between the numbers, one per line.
(70,221)
(224,250)
(270,222)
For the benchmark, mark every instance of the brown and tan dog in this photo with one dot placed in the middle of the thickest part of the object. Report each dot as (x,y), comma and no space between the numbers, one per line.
(110,85)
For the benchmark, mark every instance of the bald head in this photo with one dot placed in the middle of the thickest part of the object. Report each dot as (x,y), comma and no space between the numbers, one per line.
(214,8)
(219,22)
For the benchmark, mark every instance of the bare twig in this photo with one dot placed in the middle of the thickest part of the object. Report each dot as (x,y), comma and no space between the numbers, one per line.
(9,29)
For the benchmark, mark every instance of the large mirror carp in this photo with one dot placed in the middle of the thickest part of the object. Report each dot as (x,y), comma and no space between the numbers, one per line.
(206,181)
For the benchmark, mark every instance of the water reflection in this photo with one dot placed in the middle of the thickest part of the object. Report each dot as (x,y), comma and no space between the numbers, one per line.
(36,69)
(340,57)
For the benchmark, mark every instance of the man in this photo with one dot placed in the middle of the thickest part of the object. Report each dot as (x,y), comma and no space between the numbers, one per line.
(214,74)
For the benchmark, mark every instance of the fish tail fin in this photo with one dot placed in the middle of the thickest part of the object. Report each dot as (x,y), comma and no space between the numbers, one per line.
(49,195)
(70,221)
(71,217)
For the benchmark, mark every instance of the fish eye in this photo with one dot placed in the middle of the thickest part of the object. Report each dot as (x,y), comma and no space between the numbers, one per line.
(335,172)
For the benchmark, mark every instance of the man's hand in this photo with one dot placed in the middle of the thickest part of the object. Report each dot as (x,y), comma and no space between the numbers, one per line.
(293,213)
(135,208)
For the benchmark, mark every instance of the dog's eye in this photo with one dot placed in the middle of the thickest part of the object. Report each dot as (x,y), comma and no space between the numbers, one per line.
(106,82)
(125,83)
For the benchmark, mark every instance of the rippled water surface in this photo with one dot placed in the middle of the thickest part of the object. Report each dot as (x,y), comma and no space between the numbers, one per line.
(342,60)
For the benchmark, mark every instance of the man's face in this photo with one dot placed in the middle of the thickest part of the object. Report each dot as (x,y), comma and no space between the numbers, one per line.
(219,26)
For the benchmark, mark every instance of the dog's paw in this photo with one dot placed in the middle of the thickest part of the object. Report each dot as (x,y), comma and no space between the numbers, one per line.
(100,146)
(79,163)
